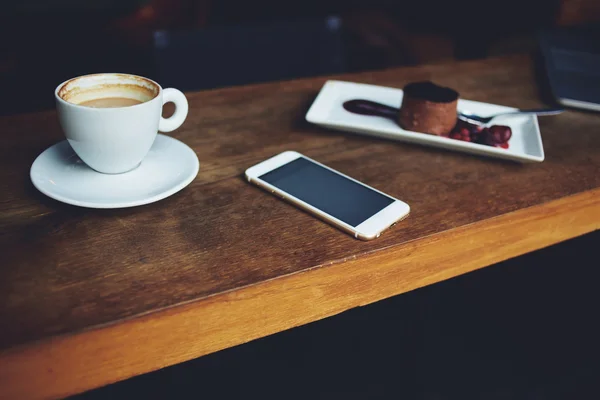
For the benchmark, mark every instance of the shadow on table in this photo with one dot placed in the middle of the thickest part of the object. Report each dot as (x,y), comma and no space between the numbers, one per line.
(522,329)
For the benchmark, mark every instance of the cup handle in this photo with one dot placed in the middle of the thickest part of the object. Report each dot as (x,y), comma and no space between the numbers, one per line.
(181,110)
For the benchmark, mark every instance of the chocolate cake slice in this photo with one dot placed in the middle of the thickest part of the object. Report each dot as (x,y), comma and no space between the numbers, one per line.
(428,108)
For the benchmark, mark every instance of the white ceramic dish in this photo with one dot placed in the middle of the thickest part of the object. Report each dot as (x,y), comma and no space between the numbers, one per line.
(169,167)
(327,111)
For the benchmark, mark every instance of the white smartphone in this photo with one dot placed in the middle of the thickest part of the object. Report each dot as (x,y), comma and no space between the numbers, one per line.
(344,202)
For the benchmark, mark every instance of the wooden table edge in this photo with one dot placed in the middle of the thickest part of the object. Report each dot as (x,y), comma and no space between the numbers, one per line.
(77,362)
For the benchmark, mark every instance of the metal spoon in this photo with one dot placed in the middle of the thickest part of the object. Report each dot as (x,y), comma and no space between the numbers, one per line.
(368,107)
(478,120)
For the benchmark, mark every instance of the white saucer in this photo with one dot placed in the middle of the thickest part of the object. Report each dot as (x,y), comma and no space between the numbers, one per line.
(169,167)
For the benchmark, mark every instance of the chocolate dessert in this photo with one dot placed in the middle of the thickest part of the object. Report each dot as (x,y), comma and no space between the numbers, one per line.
(428,108)
(431,109)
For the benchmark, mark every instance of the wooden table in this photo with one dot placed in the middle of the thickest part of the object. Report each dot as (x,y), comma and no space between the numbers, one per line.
(90,297)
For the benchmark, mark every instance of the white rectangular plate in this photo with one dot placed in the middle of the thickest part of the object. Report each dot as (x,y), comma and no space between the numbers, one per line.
(327,111)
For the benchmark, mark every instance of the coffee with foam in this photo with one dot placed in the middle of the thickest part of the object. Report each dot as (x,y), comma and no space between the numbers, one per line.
(111,120)
(108,90)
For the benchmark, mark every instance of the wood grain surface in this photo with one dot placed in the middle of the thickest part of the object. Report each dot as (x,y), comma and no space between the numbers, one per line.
(89,297)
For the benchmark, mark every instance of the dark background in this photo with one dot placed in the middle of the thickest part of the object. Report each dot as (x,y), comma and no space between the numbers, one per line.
(199,44)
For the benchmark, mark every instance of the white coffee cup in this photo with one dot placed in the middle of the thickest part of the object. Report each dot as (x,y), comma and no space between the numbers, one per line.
(116,139)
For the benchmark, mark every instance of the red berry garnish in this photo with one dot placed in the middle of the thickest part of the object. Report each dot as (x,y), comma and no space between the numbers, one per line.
(485,137)
(496,135)
(500,133)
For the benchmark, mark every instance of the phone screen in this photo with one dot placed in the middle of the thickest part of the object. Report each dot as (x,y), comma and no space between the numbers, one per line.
(331,193)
